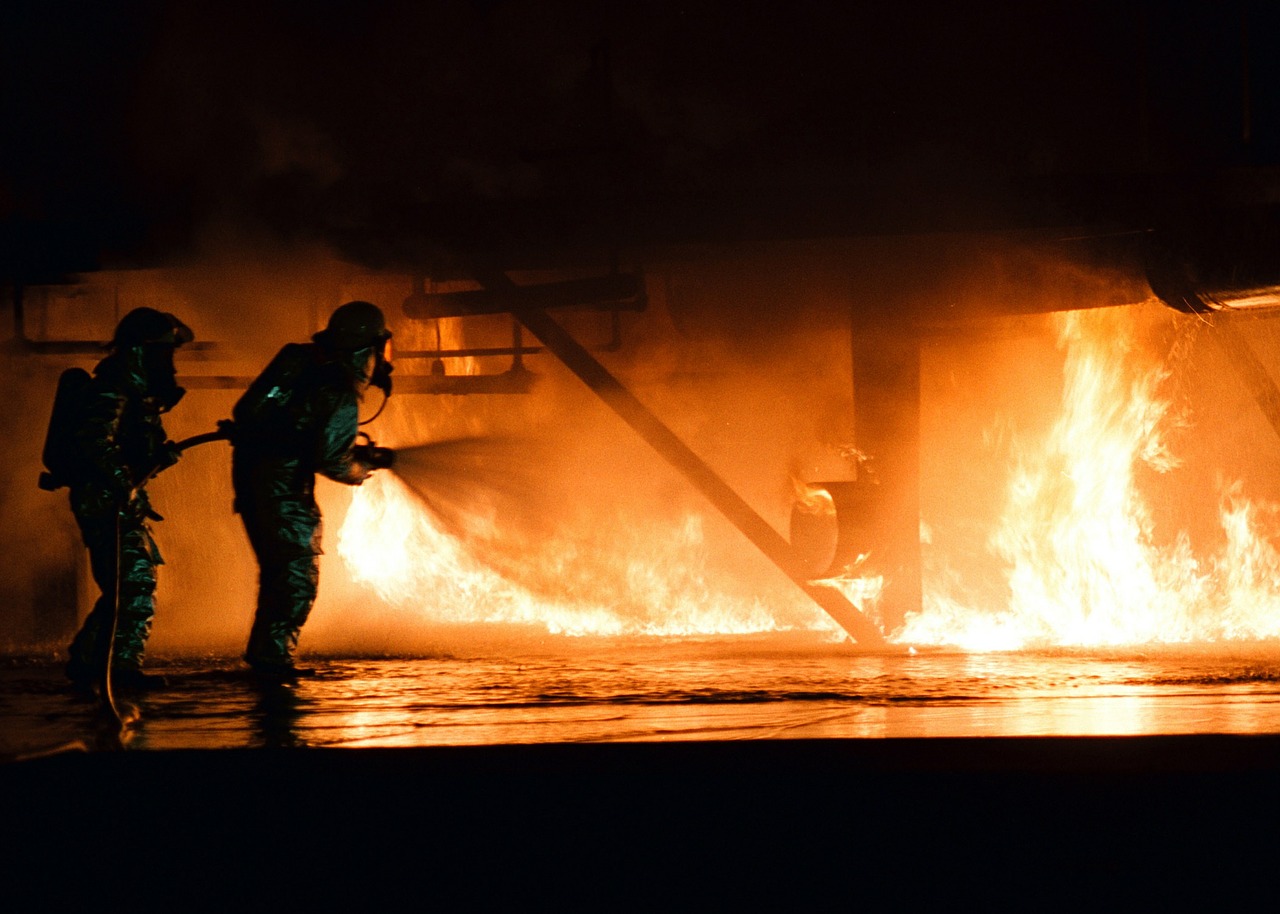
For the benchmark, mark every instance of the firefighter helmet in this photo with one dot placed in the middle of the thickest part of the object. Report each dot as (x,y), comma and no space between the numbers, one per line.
(147,325)
(355,325)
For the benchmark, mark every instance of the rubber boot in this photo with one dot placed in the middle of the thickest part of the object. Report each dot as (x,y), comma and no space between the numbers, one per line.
(286,592)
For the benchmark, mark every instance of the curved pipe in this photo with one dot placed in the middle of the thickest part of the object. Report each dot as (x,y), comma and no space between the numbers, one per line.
(832,528)
(1225,261)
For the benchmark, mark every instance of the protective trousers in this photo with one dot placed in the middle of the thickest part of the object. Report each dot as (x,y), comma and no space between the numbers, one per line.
(137,569)
(287,547)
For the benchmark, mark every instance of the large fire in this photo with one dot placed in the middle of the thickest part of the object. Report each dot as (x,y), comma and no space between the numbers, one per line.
(1081,562)
(627,580)
(1084,566)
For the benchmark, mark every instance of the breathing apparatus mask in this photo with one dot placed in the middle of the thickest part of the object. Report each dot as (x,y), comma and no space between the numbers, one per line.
(162,376)
(382,367)
(359,328)
(151,337)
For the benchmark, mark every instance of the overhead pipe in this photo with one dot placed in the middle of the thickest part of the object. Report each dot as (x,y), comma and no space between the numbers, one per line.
(1225,265)
(47,347)
(517,381)
(196,349)
(517,350)
(1217,260)
(611,292)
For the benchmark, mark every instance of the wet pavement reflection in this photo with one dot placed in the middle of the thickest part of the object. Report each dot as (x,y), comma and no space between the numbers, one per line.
(665,691)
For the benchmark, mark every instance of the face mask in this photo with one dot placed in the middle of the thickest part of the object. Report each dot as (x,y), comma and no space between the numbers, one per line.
(161,375)
(375,367)
(382,369)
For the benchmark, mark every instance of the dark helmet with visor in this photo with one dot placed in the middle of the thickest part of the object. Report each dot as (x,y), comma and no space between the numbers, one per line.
(147,325)
(358,326)
(353,326)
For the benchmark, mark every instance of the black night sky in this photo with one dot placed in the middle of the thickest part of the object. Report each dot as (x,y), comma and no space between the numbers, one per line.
(394,130)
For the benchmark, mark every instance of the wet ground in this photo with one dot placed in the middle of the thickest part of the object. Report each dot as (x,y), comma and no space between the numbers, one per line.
(639,691)
(657,776)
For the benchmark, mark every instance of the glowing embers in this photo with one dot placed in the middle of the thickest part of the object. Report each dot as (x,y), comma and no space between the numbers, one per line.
(1084,566)
(632,576)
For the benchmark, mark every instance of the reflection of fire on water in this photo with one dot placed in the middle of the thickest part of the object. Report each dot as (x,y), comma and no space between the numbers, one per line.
(1075,539)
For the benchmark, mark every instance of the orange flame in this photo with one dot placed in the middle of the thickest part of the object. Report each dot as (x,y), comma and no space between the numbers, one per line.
(1076,536)
(1082,566)
(630,580)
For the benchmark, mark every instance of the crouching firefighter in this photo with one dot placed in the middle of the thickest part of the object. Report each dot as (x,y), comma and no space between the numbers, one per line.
(297,419)
(105,441)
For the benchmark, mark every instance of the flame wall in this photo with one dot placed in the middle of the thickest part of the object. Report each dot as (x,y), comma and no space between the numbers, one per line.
(744,352)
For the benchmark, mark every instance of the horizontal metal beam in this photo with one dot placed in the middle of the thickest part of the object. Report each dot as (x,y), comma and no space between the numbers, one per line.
(617,291)
(515,381)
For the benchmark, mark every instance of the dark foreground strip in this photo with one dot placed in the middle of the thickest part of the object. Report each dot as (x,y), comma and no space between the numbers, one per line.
(898,824)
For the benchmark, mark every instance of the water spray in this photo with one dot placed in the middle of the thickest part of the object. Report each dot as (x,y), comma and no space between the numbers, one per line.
(450,476)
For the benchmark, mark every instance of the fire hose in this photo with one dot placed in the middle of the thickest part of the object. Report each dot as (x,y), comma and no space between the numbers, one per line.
(106,645)
(378,457)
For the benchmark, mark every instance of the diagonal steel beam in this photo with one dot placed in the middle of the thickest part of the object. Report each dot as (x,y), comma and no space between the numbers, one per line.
(682,458)
(1251,370)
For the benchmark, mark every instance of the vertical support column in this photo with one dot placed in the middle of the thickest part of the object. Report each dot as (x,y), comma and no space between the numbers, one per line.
(886,397)
(614,394)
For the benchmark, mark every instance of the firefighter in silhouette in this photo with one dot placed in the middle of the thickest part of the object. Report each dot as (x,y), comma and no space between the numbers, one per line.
(112,443)
(297,419)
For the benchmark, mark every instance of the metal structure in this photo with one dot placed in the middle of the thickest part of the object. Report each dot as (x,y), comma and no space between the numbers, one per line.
(501,294)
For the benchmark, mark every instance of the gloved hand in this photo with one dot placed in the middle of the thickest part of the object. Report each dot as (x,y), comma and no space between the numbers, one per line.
(167,456)
(228,429)
(137,507)
(379,458)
